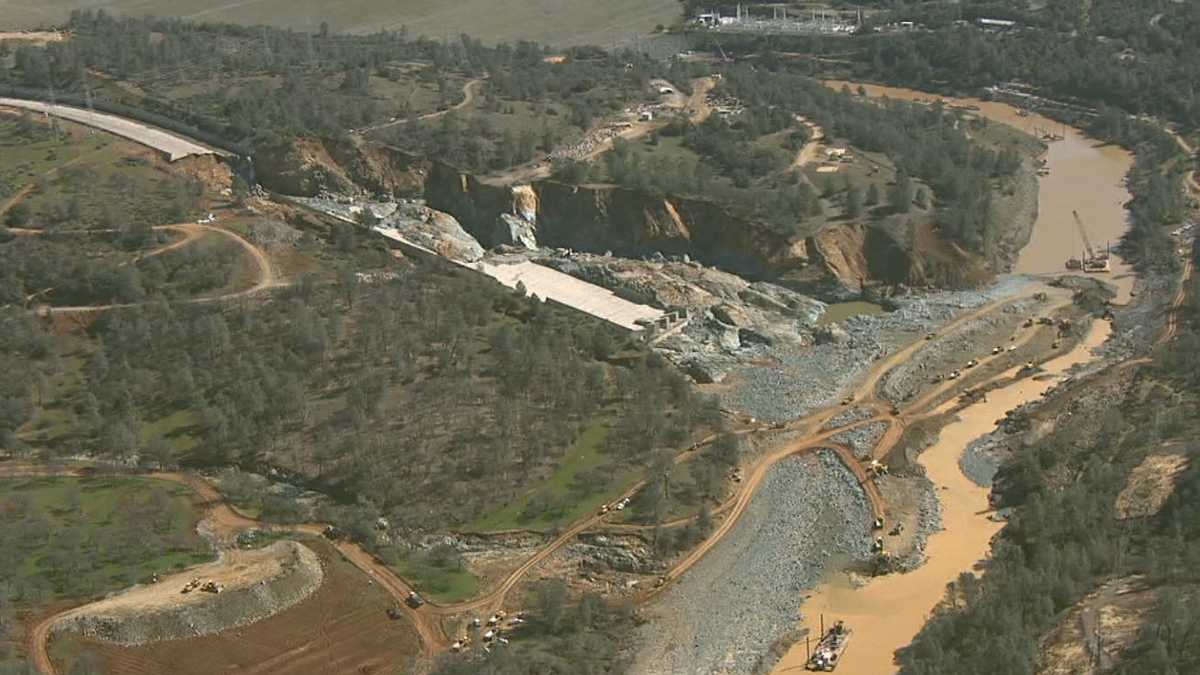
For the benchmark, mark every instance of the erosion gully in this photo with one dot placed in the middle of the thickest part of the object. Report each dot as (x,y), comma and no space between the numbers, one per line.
(887,612)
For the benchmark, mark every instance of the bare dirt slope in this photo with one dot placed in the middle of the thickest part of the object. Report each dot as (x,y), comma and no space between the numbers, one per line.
(563,23)
(341,628)
(254,585)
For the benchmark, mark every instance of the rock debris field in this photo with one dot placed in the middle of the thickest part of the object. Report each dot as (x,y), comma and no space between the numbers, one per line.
(797,380)
(724,614)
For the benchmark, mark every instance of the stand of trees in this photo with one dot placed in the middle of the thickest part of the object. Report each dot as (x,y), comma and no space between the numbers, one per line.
(323,85)
(434,398)
(563,637)
(48,269)
(926,142)
(28,356)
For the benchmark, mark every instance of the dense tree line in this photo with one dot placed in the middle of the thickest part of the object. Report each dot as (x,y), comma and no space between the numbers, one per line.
(1064,538)
(587,635)
(28,356)
(48,269)
(1156,184)
(323,80)
(925,142)
(429,385)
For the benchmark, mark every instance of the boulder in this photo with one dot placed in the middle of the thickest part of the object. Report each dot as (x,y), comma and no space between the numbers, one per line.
(730,315)
(832,333)
(515,231)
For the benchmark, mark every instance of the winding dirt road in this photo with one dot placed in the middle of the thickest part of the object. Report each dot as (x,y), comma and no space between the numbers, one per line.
(470,91)
(267,278)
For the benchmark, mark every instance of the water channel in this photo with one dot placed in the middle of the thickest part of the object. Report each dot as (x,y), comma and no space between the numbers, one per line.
(888,611)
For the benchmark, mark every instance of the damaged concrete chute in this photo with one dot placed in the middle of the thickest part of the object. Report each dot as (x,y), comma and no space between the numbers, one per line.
(551,284)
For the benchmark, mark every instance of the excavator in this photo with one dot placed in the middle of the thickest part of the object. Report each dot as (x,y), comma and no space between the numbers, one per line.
(1093,261)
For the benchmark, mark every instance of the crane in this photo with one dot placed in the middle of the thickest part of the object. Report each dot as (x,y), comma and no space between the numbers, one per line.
(1087,244)
(1093,261)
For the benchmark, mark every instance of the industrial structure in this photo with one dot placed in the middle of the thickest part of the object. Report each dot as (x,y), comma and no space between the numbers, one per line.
(814,21)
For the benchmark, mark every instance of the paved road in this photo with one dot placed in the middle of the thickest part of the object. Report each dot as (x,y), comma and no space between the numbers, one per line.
(175,147)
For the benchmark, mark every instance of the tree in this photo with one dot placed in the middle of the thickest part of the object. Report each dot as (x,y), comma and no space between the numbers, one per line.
(901,197)
(18,215)
(872,198)
(854,201)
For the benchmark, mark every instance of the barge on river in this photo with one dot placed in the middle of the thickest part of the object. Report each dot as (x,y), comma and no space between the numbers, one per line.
(831,647)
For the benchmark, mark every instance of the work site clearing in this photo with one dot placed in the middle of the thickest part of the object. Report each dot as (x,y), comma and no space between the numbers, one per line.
(861,451)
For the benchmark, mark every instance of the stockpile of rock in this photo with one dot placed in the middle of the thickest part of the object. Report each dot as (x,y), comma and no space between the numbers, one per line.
(724,613)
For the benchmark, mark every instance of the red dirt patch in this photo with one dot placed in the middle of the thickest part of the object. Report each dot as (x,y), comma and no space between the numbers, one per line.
(343,627)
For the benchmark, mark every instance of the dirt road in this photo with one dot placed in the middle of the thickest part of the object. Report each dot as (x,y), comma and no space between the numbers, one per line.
(696,105)
(470,91)
(193,231)
(808,153)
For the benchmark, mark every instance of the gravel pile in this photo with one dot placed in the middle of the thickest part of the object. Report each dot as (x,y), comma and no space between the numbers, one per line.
(725,613)
(862,439)
(907,378)
(795,380)
(929,520)
(201,613)
(983,457)
(848,416)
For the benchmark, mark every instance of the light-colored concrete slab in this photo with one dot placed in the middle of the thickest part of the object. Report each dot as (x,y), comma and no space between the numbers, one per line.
(175,147)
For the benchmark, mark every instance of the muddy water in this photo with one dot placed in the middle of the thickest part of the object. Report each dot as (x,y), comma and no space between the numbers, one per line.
(887,612)
(840,311)
(1085,176)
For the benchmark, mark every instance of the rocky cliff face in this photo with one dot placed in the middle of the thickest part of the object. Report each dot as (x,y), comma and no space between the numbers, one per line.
(308,166)
(833,264)
(601,218)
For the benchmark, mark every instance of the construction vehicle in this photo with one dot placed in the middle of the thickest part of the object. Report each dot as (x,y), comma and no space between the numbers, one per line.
(877,524)
(830,648)
(191,585)
(394,613)
(1093,261)
(413,600)
(211,586)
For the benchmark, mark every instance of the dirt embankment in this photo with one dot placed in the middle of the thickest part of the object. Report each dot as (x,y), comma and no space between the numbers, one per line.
(833,263)
(308,166)
(255,585)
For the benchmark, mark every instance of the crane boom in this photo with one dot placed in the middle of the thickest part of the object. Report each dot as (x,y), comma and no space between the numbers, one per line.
(1087,244)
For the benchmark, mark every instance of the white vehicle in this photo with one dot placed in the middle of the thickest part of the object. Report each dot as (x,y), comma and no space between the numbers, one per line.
(210,218)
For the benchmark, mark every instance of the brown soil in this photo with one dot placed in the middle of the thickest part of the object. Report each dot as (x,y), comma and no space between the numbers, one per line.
(1116,612)
(255,584)
(1149,486)
(33,37)
(342,628)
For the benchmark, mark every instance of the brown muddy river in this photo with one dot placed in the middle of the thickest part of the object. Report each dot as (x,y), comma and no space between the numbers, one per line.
(887,612)
(1085,176)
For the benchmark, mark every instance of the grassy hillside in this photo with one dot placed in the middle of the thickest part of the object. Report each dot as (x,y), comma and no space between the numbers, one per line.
(564,23)
(76,537)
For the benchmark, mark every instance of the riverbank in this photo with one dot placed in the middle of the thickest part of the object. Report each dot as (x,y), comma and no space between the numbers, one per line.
(725,613)
(1085,176)
(887,612)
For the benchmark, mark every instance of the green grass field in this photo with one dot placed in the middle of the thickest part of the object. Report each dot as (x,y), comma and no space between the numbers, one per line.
(82,537)
(565,23)
(580,484)
(440,584)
